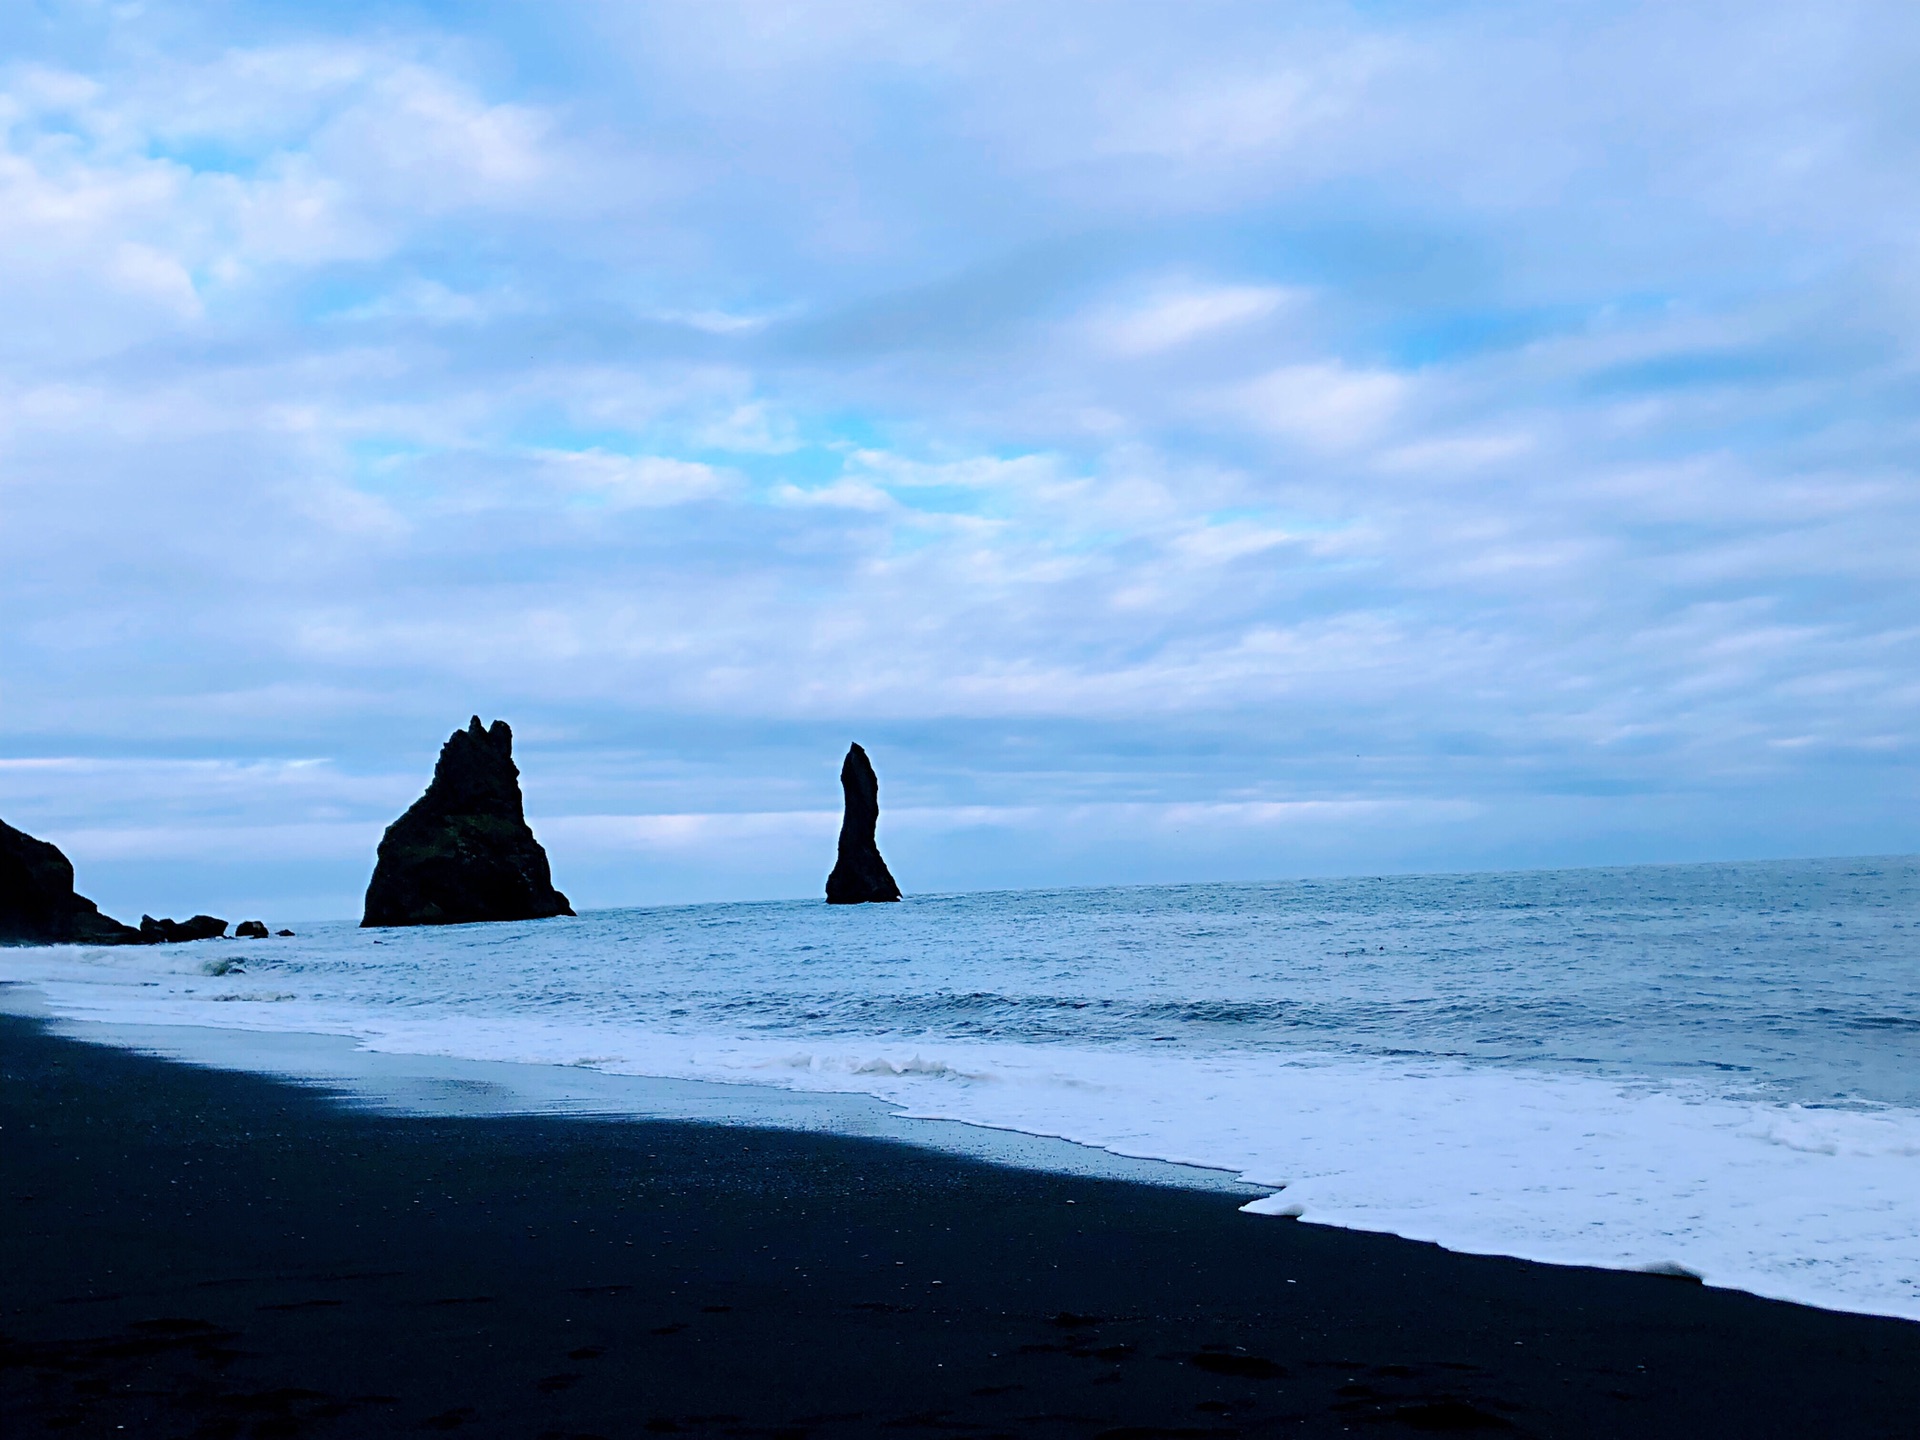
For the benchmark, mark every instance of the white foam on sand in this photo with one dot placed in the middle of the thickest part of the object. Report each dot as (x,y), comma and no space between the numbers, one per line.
(1816,1206)
(1812,1205)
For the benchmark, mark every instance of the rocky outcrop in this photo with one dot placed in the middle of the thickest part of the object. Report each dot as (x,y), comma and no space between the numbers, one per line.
(37,903)
(250,930)
(174,932)
(859,874)
(464,852)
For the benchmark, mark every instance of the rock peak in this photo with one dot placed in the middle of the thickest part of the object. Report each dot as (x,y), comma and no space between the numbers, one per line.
(463,852)
(859,874)
(475,774)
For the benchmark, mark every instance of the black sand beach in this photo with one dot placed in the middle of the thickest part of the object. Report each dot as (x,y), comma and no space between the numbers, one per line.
(198,1253)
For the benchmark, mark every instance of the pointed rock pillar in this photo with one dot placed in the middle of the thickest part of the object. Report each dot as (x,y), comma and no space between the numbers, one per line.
(860,875)
(464,852)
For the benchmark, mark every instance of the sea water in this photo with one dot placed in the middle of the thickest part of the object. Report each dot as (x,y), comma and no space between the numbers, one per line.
(1715,1068)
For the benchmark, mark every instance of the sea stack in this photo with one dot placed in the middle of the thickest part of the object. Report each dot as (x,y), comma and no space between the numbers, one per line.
(860,875)
(37,903)
(464,852)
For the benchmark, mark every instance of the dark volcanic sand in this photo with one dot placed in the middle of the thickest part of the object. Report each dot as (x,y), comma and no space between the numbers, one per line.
(192,1252)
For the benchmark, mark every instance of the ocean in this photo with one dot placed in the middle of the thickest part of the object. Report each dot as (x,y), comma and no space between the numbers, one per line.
(1711,1068)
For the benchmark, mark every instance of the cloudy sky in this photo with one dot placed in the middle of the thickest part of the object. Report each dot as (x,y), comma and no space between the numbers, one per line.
(1182,442)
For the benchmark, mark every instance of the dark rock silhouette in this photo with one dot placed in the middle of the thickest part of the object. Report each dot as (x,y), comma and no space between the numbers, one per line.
(37,903)
(859,874)
(464,852)
(250,930)
(173,932)
(283,932)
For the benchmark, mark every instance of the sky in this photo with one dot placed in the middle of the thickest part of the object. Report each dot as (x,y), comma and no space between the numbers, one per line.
(1181,442)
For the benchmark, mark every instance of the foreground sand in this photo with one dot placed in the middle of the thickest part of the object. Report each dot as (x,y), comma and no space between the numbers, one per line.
(197,1253)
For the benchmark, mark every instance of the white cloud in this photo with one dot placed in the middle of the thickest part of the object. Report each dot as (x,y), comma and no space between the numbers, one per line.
(682,831)
(1323,403)
(1180,316)
(145,271)
(977,472)
(842,494)
(1454,455)
(415,138)
(315,154)
(748,428)
(1246,107)
(633,480)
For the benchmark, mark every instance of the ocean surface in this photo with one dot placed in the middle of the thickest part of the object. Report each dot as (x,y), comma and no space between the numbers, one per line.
(1712,1067)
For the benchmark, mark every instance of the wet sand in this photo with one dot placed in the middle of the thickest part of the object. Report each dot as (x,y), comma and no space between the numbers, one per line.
(191,1252)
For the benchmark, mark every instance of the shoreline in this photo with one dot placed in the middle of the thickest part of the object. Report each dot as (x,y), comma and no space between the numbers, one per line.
(204,1251)
(1455,1182)
(447,1087)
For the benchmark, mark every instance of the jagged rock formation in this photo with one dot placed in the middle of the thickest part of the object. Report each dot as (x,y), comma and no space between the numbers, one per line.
(250,930)
(859,874)
(464,852)
(173,932)
(37,903)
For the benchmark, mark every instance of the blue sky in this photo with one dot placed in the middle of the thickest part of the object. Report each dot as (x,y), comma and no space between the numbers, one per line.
(1182,442)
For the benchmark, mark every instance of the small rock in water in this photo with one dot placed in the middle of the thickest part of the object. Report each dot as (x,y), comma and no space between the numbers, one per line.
(860,875)
(283,932)
(170,932)
(250,930)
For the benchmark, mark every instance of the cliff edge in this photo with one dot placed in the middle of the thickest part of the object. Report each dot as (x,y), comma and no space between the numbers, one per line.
(38,905)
